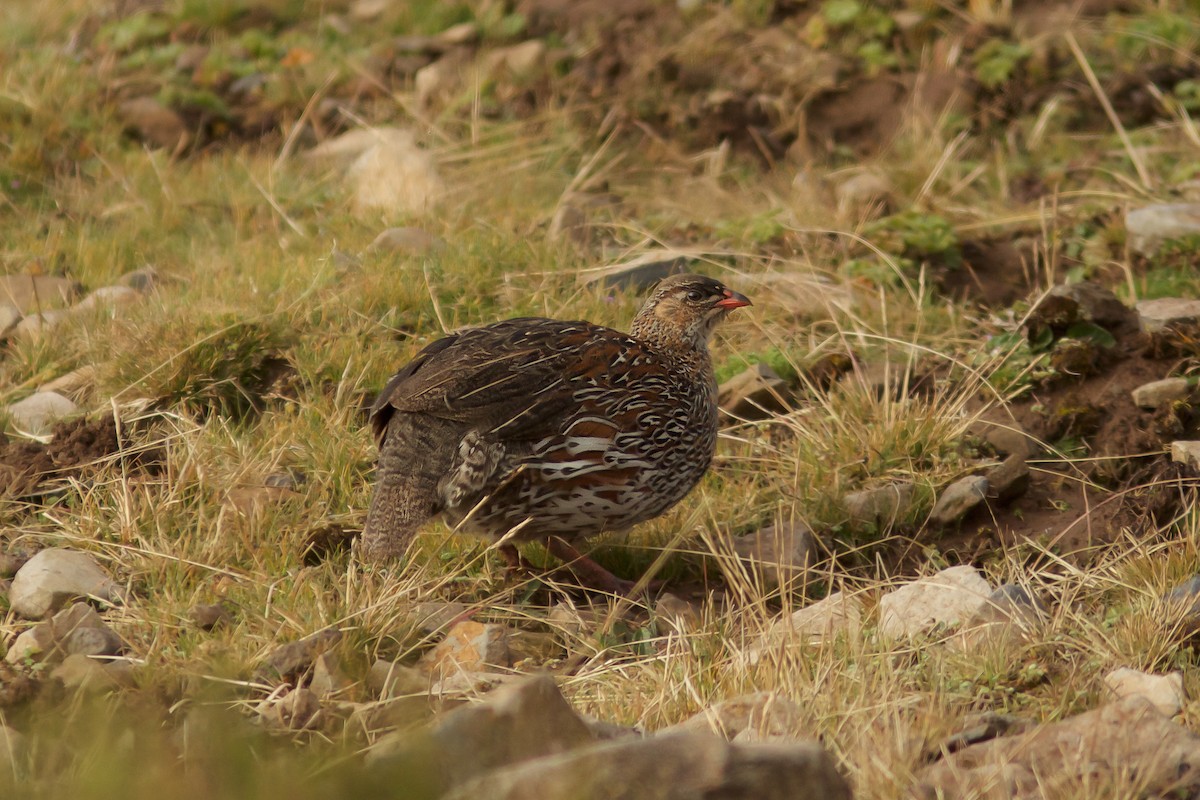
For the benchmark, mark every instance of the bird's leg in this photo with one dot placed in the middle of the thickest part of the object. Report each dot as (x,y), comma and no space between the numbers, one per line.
(514,562)
(589,572)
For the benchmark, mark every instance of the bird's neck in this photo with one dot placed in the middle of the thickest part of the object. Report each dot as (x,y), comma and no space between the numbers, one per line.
(684,348)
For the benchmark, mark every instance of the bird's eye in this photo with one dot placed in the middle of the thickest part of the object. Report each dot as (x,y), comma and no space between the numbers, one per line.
(695,295)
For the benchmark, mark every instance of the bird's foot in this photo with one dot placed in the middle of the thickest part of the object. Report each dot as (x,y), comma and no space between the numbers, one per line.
(593,576)
(515,564)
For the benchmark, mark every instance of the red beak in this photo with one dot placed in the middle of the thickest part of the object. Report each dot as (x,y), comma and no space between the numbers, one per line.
(733,300)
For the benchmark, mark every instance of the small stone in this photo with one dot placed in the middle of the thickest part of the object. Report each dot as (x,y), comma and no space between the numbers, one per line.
(1095,303)
(754,394)
(865,192)
(92,642)
(35,644)
(754,717)
(329,679)
(640,273)
(368,10)
(54,576)
(407,241)
(207,616)
(1186,452)
(1157,394)
(526,720)
(432,616)
(1008,480)
(1165,692)
(678,766)
(38,412)
(881,506)
(84,673)
(10,317)
(571,621)
(676,613)
(30,294)
(1158,315)
(36,325)
(154,122)
(945,599)
(959,499)
(518,59)
(1150,226)
(1011,614)
(395,176)
(298,710)
(1185,598)
(75,384)
(1006,436)
(387,680)
(109,297)
(469,646)
(460,34)
(837,614)
(291,661)
(780,554)
(142,279)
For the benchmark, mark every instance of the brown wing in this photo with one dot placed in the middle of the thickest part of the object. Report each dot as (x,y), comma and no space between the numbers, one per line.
(515,377)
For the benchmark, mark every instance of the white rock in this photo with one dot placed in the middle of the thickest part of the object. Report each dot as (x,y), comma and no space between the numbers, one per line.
(37,413)
(395,176)
(959,499)
(1165,692)
(36,325)
(839,613)
(108,297)
(1148,227)
(1155,315)
(947,598)
(10,317)
(1159,393)
(1186,451)
(54,576)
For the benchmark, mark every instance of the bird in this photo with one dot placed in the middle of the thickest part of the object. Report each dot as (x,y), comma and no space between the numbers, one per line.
(536,429)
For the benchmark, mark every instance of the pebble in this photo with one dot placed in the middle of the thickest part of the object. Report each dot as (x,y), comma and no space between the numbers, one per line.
(682,765)
(1165,692)
(469,646)
(780,555)
(85,673)
(1011,614)
(1095,303)
(290,661)
(883,505)
(407,241)
(54,576)
(1157,394)
(959,499)
(1150,226)
(297,710)
(1009,479)
(837,614)
(33,293)
(753,394)
(154,122)
(1157,315)
(1186,452)
(432,616)
(37,413)
(329,679)
(945,599)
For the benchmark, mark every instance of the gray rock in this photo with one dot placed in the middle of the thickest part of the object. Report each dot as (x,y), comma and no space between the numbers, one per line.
(30,294)
(12,561)
(1165,312)
(864,192)
(208,616)
(837,614)
(297,710)
(753,394)
(36,644)
(1150,226)
(1157,394)
(1165,692)
(883,505)
(329,679)
(959,499)
(387,680)
(677,614)
(10,317)
(640,273)
(1008,480)
(1006,436)
(1095,303)
(75,629)
(518,59)
(1186,452)
(142,279)
(407,241)
(39,324)
(291,661)
(1012,614)
(780,555)
(84,673)
(109,297)
(677,766)
(432,616)
(945,599)
(154,122)
(526,720)
(56,575)
(760,716)
(1126,746)
(92,642)
(38,412)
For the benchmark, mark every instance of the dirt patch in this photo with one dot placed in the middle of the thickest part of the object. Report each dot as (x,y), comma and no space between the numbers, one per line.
(80,448)
(993,273)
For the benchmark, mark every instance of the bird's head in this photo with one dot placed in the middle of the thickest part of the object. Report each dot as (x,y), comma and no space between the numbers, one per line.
(684,309)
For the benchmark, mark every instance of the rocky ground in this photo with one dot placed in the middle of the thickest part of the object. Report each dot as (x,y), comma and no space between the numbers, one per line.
(948,548)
